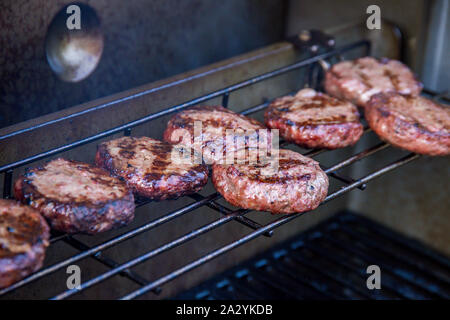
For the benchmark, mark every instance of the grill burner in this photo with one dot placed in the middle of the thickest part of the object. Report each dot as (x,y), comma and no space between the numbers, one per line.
(329,261)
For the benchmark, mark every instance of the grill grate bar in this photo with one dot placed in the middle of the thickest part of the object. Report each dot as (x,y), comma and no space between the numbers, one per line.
(210,200)
(330,277)
(286,287)
(153,116)
(358,156)
(57,236)
(167,218)
(353,269)
(211,226)
(392,166)
(399,287)
(290,271)
(242,290)
(386,251)
(345,179)
(109,243)
(223,210)
(411,245)
(77,244)
(225,99)
(277,223)
(417,282)
(7,183)
(132,233)
(311,254)
(175,243)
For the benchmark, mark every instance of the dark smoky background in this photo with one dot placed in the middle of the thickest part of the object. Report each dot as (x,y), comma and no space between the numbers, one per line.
(146,41)
(143,41)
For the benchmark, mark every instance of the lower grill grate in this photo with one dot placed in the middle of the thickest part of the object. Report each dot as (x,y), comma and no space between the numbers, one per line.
(330,261)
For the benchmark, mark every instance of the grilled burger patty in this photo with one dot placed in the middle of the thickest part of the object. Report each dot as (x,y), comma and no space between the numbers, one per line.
(76,197)
(298,185)
(412,123)
(359,79)
(24,237)
(148,168)
(315,120)
(214,120)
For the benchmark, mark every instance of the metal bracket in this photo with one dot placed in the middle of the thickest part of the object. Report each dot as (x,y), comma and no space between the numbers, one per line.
(312,40)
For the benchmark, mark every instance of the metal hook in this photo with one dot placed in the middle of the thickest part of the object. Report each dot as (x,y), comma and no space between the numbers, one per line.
(324,64)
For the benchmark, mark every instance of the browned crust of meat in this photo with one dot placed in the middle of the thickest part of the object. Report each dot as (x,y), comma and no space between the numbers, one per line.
(24,237)
(329,136)
(157,183)
(212,117)
(300,185)
(323,132)
(179,120)
(401,131)
(343,87)
(77,215)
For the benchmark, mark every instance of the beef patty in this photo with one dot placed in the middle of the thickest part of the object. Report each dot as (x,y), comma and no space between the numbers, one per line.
(297,185)
(151,168)
(359,79)
(24,236)
(212,142)
(76,197)
(315,120)
(410,122)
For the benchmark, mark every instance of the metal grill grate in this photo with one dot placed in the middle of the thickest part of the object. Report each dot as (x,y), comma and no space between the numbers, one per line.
(124,269)
(329,262)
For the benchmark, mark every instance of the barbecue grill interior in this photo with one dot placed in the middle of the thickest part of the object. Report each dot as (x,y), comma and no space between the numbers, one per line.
(157,61)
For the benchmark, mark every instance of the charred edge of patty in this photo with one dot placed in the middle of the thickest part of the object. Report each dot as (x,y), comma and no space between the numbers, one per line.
(334,87)
(181,120)
(312,135)
(74,217)
(17,266)
(228,174)
(185,185)
(317,136)
(13,269)
(419,85)
(401,133)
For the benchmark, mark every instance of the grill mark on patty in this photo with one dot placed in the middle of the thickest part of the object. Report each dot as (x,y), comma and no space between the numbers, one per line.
(317,102)
(297,185)
(59,168)
(337,119)
(393,78)
(215,121)
(77,197)
(359,79)
(253,172)
(413,123)
(126,153)
(315,120)
(151,172)
(187,119)
(360,74)
(365,80)
(282,107)
(159,164)
(440,114)
(280,180)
